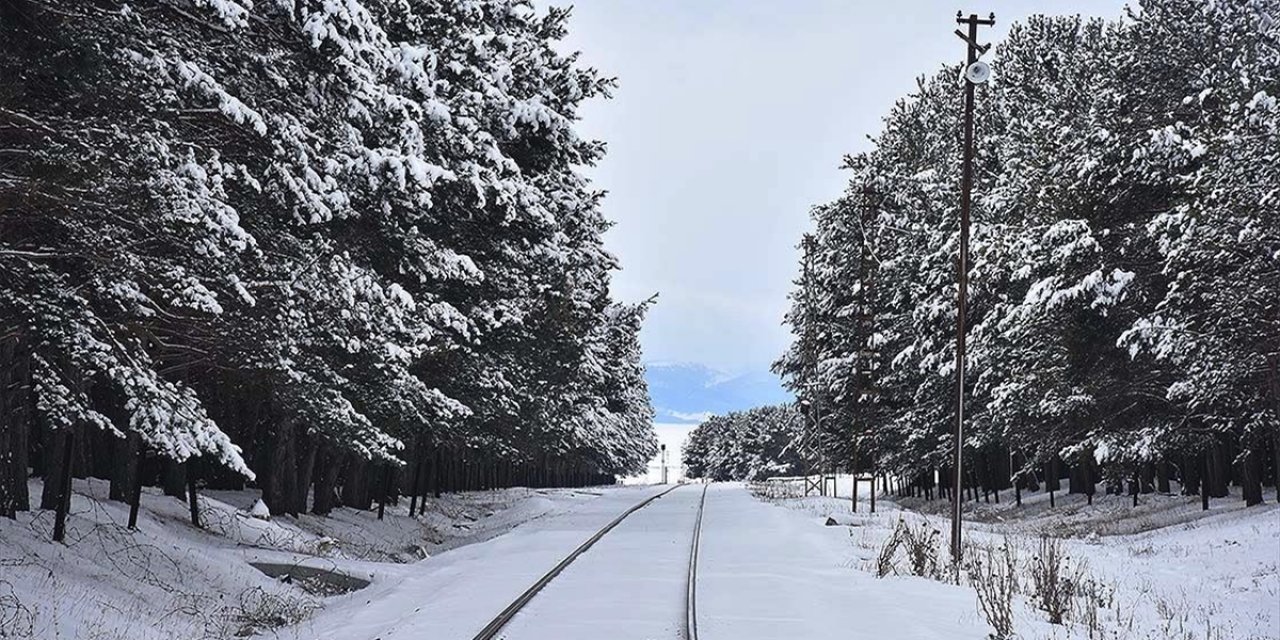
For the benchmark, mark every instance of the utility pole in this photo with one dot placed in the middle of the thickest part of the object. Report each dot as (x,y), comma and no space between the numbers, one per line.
(865,394)
(975,73)
(812,447)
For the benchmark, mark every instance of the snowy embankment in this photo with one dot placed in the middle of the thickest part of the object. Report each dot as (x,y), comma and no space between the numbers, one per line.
(170,580)
(1164,569)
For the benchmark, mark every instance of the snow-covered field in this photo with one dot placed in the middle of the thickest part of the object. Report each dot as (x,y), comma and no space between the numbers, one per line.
(1165,569)
(170,580)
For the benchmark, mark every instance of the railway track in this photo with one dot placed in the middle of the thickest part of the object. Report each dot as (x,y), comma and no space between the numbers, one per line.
(691,597)
(689,628)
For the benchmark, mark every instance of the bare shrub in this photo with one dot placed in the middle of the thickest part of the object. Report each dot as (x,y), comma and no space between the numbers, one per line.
(1091,597)
(16,620)
(993,573)
(259,611)
(1053,579)
(921,544)
(885,559)
(255,611)
(145,563)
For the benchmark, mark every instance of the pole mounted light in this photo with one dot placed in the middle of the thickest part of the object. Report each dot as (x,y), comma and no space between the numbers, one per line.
(978,72)
(975,72)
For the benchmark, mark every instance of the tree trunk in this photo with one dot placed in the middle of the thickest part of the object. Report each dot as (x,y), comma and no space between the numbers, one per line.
(55,455)
(175,479)
(415,480)
(385,489)
(193,498)
(1219,471)
(326,482)
(64,486)
(1204,481)
(1251,477)
(853,471)
(872,491)
(125,466)
(355,486)
(1275,430)
(1162,477)
(1190,475)
(135,492)
(1052,478)
(435,471)
(281,476)
(1074,483)
(1275,461)
(14,496)
(1084,477)
(306,469)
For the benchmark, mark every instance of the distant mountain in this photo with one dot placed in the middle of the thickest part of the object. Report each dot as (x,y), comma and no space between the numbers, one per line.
(684,392)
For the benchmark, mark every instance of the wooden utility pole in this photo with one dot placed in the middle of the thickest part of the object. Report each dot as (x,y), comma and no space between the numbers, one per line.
(975,73)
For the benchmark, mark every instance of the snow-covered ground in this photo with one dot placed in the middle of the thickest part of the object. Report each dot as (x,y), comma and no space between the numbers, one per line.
(1165,569)
(631,584)
(769,569)
(169,580)
(456,594)
(767,573)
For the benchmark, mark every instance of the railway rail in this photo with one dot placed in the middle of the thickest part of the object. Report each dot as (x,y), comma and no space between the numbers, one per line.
(689,624)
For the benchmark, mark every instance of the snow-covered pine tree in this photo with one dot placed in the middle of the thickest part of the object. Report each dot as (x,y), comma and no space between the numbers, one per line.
(338,236)
(1123,269)
(745,445)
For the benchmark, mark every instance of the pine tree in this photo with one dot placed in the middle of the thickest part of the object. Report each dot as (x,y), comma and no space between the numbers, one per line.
(1123,274)
(308,242)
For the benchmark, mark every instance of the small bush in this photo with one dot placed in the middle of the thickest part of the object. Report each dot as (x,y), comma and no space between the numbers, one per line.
(993,573)
(920,544)
(885,563)
(1052,580)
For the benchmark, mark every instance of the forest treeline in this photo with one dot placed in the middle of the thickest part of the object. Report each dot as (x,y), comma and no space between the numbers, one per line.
(340,248)
(746,445)
(1124,289)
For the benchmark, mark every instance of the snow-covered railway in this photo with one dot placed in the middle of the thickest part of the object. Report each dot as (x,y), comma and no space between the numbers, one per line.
(641,577)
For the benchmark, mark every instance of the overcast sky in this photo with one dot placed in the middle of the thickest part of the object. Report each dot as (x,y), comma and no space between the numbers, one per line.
(730,122)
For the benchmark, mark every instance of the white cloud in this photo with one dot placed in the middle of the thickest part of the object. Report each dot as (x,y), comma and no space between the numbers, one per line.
(693,417)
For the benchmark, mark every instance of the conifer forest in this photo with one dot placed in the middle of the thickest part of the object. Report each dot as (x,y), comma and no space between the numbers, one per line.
(343,248)
(1124,283)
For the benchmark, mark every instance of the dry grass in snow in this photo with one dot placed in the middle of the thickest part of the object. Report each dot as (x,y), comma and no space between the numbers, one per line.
(1107,571)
